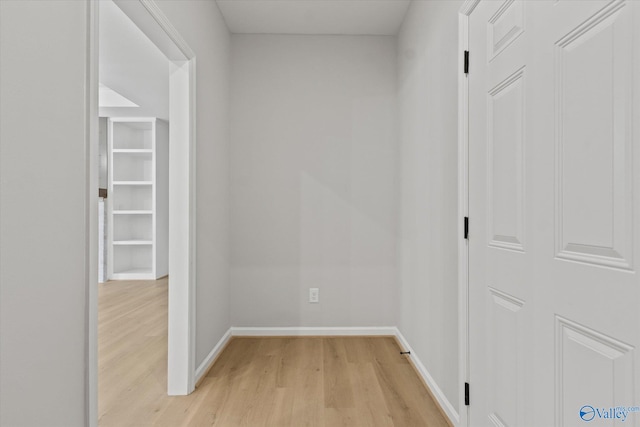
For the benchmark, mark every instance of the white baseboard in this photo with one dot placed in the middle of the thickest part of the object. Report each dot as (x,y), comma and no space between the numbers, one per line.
(211,357)
(236,331)
(444,403)
(313,331)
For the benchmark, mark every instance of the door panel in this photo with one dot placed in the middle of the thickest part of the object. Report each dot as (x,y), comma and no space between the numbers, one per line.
(554,212)
(505,357)
(505,26)
(505,173)
(593,175)
(591,368)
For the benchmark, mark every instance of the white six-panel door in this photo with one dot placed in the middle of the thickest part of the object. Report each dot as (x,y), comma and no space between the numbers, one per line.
(554,207)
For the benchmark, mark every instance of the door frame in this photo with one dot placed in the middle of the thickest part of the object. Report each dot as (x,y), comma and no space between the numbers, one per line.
(463,207)
(148,16)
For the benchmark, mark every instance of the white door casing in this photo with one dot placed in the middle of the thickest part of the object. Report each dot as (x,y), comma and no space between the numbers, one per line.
(554,203)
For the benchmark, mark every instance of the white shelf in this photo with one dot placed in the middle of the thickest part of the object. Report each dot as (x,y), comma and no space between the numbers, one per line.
(136,271)
(132,182)
(132,242)
(132,151)
(133,212)
(133,274)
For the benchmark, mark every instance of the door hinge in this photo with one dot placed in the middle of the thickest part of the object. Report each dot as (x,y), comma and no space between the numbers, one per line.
(466,394)
(466,227)
(466,62)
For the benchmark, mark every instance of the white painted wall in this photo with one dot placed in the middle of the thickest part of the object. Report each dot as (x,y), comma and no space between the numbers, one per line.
(427,96)
(131,65)
(43,269)
(380,17)
(43,53)
(313,180)
(202,26)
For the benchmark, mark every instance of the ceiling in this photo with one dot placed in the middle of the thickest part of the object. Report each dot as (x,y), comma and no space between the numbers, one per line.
(135,69)
(344,17)
(132,66)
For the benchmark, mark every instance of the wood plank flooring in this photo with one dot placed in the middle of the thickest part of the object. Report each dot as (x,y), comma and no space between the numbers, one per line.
(275,382)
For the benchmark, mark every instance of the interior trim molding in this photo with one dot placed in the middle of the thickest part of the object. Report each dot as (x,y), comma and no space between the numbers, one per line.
(447,409)
(463,208)
(468,7)
(239,331)
(445,405)
(91,215)
(211,358)
(167,26)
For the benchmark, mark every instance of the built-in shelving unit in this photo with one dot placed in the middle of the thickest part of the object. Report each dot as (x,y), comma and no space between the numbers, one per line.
(138,198)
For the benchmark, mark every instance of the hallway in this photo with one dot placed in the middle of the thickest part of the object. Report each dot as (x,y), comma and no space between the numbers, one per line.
(284,381)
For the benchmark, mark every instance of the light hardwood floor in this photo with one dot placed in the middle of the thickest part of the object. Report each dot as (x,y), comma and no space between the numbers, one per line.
(276,382)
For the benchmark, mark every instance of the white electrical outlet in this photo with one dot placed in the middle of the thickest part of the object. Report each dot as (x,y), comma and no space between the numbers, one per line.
(314,295)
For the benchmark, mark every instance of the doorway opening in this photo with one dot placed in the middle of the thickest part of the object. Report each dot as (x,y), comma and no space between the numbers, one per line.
(149,19)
